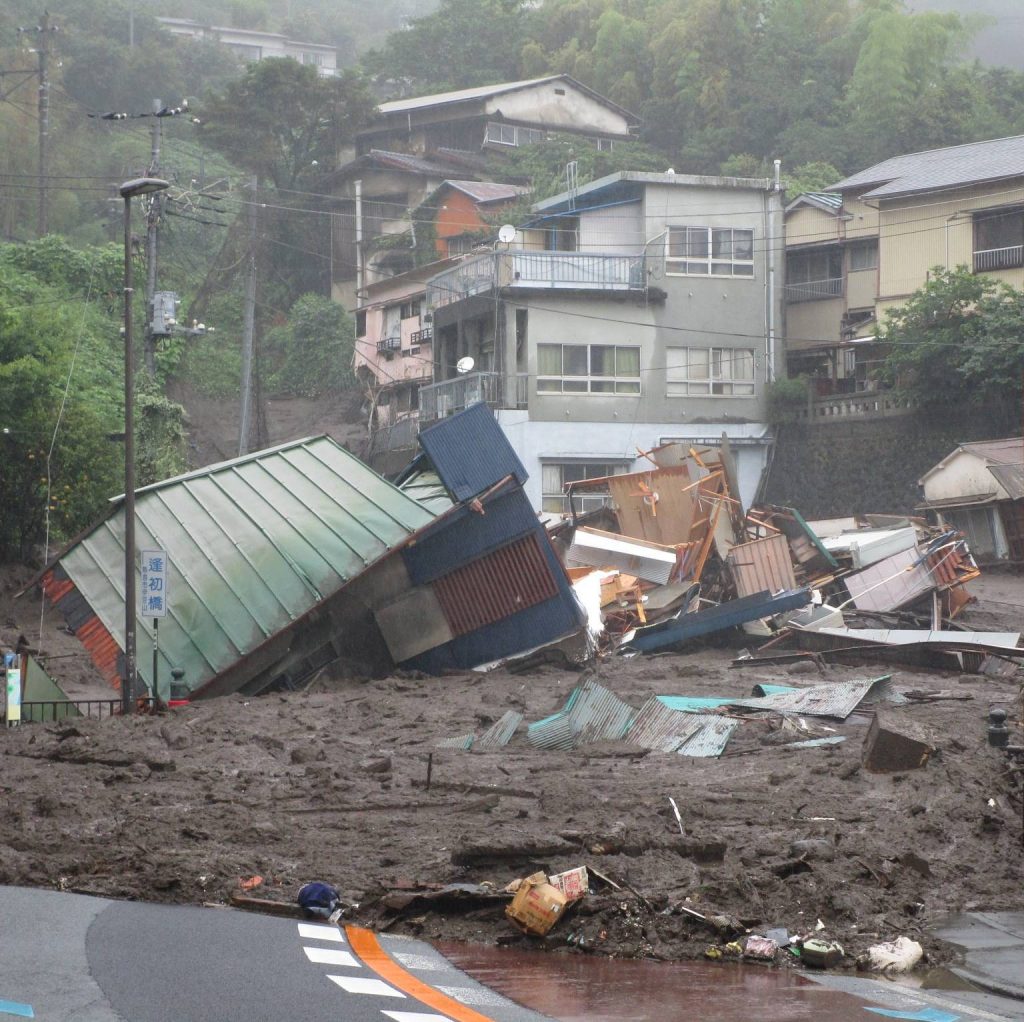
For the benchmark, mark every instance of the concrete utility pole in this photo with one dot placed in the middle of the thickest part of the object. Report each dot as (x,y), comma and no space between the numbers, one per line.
(248,328)
(43,31)
(152,227)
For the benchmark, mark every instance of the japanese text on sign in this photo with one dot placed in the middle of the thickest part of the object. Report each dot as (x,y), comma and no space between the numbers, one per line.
(153,592)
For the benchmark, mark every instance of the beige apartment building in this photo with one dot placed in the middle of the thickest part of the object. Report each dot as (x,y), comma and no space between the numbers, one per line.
(867,244)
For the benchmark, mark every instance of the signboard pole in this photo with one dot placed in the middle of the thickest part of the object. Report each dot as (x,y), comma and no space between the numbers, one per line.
(156,650)
(154,605)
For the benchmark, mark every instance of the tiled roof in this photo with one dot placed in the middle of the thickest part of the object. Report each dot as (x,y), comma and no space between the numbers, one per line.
(994,160)
(406,161)
(830,201)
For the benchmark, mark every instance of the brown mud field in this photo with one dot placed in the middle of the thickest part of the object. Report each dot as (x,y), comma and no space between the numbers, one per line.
(331,784)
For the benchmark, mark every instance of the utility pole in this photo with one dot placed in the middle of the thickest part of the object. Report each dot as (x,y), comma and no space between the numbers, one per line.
(152,225)
(44,117)
(43,31)
(248,328)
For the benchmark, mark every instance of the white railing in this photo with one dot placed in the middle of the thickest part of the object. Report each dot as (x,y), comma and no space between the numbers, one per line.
(812,290)
(438,400)
(998,258)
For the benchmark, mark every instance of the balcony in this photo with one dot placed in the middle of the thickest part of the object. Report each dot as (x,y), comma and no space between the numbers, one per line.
(998,258)
(439,400)
(571,271)
(814,290)
(424,336)
(389,344)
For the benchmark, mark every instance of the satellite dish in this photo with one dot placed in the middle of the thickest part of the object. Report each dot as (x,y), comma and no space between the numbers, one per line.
(464,365)
(506,234)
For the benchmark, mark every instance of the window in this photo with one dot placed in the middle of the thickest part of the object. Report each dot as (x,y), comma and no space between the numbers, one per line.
(709,372)
(605,145)
(864,255)
(718,251)
(316,59)
(587,369)
(513,134)
(361,323)
(410,310)
(461,244)
(998,240)
(554,477)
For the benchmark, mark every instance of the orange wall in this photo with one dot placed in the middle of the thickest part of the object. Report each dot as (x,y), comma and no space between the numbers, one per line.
(458,216)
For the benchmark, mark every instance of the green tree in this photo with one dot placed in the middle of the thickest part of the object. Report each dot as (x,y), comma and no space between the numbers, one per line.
(284,122)
(958,340)
(462,44)
(311,355)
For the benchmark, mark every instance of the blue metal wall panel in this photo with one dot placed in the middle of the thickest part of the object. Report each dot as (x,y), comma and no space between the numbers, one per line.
(471,453)
(465,535)
(536,626)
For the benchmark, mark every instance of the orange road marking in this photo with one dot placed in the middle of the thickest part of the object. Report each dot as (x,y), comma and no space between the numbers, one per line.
(367,947)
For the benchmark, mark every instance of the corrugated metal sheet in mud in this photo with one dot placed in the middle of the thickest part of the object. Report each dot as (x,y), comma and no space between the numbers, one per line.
(591,714)
(470,452)
(663,729)
(836,699)
(500,733)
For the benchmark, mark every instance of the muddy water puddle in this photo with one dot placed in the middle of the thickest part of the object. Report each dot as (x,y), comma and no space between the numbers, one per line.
(589,988)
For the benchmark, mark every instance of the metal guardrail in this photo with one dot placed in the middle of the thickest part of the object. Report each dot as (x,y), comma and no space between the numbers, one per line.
(998,258)
(812,290)
(389,344)
(590,271)
(439,400)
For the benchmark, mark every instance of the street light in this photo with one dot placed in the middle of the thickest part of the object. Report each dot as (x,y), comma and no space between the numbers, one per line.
(129,190)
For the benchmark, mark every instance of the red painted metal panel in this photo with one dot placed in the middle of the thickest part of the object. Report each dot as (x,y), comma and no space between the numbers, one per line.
(496,586)
(99,643)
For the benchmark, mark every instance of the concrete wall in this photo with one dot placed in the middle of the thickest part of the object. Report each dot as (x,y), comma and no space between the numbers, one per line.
(841,468)
(572,110)
(963,475)
(540,442)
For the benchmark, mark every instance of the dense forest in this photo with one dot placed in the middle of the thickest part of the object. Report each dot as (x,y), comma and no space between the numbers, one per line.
(827,86)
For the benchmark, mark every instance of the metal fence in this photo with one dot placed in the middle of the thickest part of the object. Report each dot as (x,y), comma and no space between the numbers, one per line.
(589,271)
(998,258)
(37,711)
(811,290)
(438,400)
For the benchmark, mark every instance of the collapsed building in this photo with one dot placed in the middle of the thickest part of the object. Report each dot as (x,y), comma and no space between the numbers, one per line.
(297,557)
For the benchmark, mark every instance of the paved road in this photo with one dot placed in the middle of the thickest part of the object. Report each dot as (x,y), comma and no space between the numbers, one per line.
(71,958)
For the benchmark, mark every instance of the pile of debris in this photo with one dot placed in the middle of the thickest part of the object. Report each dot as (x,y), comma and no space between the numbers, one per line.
(673,556)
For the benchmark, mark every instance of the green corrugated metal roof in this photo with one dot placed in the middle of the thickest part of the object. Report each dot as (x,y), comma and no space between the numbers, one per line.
(252,544)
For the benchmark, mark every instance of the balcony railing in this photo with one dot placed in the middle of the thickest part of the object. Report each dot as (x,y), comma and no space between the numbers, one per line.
(389,344)
(587,271)
(813,290)
(998,258)
(424,336)
(438,400)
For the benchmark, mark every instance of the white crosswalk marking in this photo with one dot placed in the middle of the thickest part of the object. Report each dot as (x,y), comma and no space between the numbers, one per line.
(359,985)
(317,931)
(330,956)
(414,1016)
